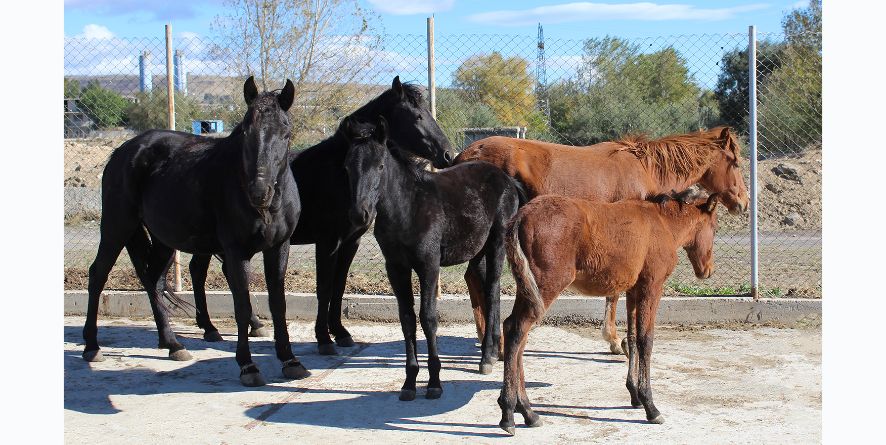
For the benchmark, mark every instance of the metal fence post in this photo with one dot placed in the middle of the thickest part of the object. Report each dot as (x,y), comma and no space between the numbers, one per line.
(752,104)
(432,84)
(170,98)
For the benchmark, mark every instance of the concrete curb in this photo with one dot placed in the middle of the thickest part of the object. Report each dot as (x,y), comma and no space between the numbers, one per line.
(456,308)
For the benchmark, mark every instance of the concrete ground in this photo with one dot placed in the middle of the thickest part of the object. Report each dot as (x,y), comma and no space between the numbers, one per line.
(713,385)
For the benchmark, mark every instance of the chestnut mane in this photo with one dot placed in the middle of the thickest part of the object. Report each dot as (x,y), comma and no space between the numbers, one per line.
(681,155)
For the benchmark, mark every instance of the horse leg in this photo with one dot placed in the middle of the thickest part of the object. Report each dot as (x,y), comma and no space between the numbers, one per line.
(610,334)
(513,392)
(475,277)
(275,261)
(325,260)
(495,254)
(110,245)
(256,327)
(401,282)
(647,305)
(152,262)
(237,272)
(345,255)
(632,382)
(199,266)
(428,277)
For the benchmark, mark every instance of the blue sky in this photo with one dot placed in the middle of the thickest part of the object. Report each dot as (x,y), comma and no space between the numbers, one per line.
(561,19)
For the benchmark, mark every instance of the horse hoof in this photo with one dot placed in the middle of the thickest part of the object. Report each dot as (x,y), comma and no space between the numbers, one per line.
(624,346)
(252,380)
(407,395)
(93,356)
(182,355)
(434,393)
(260,332)
(212,336)
(534,422)
(509,428)
(485,368)
(658,420)
(327,349)
(345,342)
(616,349)
(295,371)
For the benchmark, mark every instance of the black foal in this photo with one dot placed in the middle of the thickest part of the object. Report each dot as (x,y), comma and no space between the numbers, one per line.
(425,220)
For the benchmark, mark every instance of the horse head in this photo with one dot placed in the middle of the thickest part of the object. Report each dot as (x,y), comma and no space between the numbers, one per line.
(724,175)
(700,249)
(409,123)
(266,131)
(364,163)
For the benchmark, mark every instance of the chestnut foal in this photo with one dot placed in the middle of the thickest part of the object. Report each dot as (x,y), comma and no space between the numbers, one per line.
(555,242)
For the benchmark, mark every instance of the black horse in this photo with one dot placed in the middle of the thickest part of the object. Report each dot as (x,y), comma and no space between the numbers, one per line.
(233,196)
(323,189)
(426,220)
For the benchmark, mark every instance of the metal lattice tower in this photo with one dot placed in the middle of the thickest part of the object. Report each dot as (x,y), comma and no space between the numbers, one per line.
(541,76)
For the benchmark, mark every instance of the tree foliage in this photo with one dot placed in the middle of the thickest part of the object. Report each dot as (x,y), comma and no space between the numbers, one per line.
(105,107)
(456,111)
(151,111)
(620,90)
(503,84)
(732,84)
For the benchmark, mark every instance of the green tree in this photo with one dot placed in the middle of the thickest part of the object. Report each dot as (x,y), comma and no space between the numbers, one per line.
(456,111)
(620,90)
(151,111)
(732,92)
(105,107)
(504,84)
(72,88)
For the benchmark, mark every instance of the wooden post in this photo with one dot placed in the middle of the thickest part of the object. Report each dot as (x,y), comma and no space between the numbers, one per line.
(432,85)
(170,99)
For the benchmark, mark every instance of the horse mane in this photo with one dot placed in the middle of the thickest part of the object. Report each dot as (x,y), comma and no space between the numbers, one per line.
(416,166)
(680,155)
(412,92)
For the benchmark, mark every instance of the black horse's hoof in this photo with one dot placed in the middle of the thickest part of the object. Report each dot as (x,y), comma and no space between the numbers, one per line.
(434,393)
(407,395)
(252,380)
(295,370)
(508,427)
(212,336)
(346,342)
(260,332)
(182,355)
(486,368)
(327,349)
(659,419)
(93,356)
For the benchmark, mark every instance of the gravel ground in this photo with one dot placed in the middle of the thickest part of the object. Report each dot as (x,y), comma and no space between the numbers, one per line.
(714,385)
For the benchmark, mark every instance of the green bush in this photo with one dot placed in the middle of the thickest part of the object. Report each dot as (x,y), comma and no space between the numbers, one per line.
(151,111)
(105,107)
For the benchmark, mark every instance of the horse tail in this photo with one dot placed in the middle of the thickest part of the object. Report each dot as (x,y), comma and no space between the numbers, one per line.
(527,288)
(174,300)
(522,194)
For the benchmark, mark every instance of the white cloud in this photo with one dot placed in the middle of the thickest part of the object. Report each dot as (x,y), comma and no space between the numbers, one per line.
(409,7)
(585,11)
(93,31)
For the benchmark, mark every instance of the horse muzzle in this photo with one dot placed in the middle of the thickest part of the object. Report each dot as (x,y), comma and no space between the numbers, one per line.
(359,216)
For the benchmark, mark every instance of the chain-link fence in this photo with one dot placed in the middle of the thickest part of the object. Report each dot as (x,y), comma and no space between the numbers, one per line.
(575,92)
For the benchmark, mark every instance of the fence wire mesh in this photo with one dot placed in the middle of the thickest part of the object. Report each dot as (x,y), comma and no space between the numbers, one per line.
(575,92)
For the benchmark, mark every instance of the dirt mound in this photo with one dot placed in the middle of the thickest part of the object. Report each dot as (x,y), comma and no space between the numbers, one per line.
(789,192)
(85,160)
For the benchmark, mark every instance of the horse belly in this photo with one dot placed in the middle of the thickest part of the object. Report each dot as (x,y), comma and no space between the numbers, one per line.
(609,281)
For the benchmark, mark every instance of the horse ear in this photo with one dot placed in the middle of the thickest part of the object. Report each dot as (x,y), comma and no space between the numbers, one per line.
(250,90)
(287,96)
(397,87)
(345,128)
(381,131)
(711,205)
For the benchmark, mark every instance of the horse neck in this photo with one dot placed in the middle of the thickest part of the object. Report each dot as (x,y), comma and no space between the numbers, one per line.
(396,190)
(681,222)
(672,181)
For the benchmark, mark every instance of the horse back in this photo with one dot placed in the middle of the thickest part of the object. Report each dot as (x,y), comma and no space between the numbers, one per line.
(599,172)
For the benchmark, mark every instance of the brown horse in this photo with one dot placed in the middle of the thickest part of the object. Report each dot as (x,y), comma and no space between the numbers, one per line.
(631,168)
(599,249)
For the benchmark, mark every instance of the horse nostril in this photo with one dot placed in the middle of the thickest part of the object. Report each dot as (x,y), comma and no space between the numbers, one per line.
(447,156)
